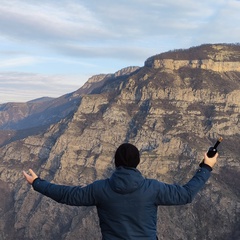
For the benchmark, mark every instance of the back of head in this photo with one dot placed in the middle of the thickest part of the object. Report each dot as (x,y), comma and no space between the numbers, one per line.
(127,155)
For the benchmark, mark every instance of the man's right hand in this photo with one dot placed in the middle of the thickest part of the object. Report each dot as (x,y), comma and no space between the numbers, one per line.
(210,161)
(30,178)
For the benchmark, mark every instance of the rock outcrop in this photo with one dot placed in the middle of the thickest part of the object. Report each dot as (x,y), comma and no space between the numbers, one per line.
(219,58)
(171,112)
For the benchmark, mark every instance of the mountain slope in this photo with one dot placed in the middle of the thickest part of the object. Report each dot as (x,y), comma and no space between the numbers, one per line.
(172,112)
(19,120)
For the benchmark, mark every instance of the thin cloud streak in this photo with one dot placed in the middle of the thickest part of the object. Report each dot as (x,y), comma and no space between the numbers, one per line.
(20,61)
(32,86)
(48,22)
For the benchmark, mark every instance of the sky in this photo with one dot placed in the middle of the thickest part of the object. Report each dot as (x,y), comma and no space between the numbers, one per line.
(52,47)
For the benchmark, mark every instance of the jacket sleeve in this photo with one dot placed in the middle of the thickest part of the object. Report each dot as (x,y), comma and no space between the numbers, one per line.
(171,194)
(70,195)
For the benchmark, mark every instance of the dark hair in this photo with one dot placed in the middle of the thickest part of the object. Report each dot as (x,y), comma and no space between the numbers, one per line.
(127,155)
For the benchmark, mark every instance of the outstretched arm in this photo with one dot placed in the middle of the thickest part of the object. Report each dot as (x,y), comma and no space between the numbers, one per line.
(170,194)
(70,195)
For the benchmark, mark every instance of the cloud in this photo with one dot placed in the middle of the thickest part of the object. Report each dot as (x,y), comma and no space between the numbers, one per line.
(89,29)
(222,26)
(16,62)
(120,51)
(78,39)
(47,21)
(79,22)
(28,86)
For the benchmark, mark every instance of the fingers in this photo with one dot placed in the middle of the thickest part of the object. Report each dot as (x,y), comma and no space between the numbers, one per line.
(25,174)
(34,175)
(27,177)
(215,156)
(210,161)
(30,177)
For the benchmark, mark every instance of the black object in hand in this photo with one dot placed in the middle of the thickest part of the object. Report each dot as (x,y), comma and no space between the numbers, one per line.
(212,150)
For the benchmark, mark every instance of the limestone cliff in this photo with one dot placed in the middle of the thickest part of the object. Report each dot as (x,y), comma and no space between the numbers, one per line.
(172,114)
(218,57)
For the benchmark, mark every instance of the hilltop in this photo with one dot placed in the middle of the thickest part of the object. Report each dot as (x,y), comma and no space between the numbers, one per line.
(173,108)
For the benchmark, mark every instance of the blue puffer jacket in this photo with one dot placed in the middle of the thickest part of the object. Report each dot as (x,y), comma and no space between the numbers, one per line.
(126,202)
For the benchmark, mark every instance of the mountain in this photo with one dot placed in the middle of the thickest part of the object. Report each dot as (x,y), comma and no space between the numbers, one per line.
(19,120)
(173,108)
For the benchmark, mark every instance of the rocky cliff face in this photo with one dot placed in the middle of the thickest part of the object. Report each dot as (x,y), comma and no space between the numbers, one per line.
(18,120)
(220,58)
(172,114)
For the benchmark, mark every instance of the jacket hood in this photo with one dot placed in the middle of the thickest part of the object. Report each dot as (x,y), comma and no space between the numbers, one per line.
(126,180)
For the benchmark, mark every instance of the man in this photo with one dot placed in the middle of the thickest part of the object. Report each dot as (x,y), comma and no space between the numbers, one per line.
(126,202)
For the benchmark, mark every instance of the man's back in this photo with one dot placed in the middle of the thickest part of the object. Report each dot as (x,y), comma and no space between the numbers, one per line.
(127,202)
(126,206)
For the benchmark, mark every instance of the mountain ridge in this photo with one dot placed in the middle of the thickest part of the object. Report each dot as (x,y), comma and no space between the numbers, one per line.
(171,115)
(18,120)
(222,60)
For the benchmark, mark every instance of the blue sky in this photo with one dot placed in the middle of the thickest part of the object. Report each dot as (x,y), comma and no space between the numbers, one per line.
(51,47)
